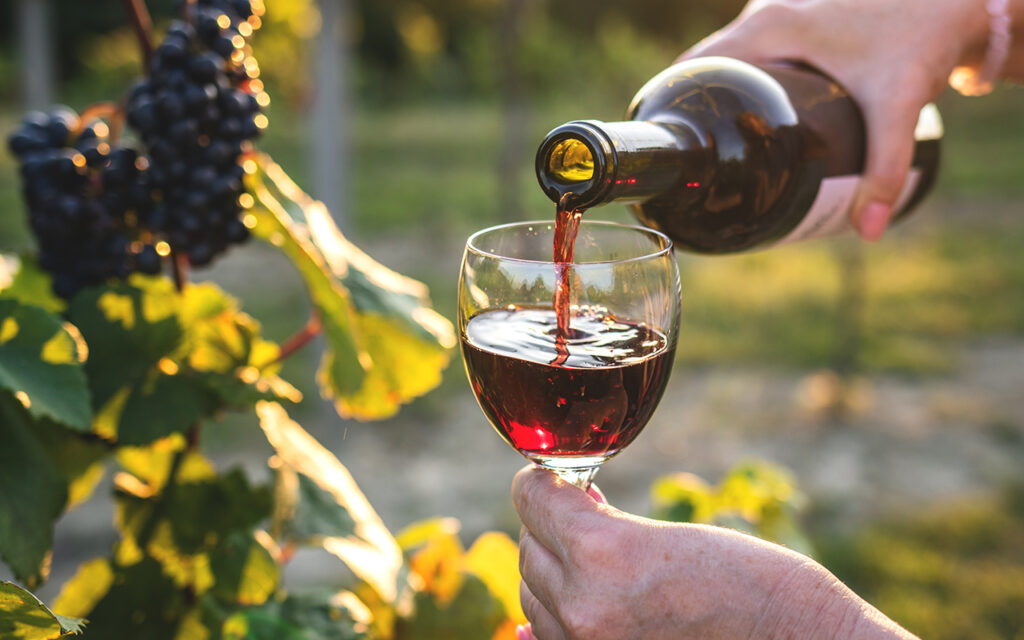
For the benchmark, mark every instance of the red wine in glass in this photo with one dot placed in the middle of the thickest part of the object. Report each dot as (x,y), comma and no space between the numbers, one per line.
(585,398)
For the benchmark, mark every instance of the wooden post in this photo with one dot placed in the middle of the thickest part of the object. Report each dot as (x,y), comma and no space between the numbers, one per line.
(514,157)
(332,112)
(35,53)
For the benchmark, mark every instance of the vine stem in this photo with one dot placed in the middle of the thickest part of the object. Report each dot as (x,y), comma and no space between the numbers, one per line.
(142,24)
(179,269)
(302,337)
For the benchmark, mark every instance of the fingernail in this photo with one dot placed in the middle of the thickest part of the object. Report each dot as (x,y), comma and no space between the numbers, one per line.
(874,220)
(522,633)
(596,494)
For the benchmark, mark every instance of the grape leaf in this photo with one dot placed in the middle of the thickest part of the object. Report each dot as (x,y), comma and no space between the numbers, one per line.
(244,571)
(164,359)
(759,498)
(41,364)
(370,551)
(129,328)
(161,405)
(198,514)
(494,558)
(316,512)
(135,601)
(32,495)
(473,614)
(21,279)
(24,617)
(77,457)
(386,345)
(225,346)
(298,617)
(343,361)
(192,529)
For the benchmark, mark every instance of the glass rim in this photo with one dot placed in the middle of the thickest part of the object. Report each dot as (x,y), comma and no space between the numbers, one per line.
(666,249)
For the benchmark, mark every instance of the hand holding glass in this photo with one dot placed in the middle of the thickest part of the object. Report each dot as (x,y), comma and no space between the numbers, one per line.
(569,402)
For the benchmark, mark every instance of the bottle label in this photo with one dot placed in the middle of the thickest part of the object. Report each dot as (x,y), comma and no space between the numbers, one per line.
(829,213)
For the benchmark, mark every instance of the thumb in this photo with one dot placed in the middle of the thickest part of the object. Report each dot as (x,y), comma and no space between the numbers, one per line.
(552,508)
(890,150)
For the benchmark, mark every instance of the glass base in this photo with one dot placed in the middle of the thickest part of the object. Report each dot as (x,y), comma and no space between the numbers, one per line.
(578,471)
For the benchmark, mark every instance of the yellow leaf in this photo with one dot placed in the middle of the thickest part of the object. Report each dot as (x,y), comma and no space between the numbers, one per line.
(116,307)
(386,346)
(8,330)
(684,487)
(372,554)
(507,630)
(494,558)
(403,367)
(439,565)
(422,532)
(80,595)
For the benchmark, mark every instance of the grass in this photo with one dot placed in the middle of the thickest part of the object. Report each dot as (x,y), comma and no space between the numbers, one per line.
(956,571)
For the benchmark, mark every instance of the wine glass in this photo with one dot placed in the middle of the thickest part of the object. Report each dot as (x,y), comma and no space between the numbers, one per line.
(568,400)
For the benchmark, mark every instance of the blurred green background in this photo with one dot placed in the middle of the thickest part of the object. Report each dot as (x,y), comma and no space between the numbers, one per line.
(886,376)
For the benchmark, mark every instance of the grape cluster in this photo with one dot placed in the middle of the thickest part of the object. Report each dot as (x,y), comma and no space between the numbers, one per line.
(196,113)
(86,200)
(101,209)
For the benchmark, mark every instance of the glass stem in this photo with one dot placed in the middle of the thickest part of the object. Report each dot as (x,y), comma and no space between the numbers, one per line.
(580,477)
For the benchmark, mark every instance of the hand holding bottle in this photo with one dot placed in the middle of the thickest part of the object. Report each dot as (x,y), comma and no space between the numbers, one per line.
(893,58)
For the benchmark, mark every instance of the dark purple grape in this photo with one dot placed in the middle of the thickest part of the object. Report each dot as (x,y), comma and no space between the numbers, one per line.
(147,260)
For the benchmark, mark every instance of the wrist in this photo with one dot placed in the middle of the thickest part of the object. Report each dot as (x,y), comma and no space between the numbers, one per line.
(810,603)
(986,52)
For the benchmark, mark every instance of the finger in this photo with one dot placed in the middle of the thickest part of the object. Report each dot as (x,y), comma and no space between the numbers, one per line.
(762,31)
(525,632)
(540,569)
(543,625)
(890,150)
(595,492)
(553,510)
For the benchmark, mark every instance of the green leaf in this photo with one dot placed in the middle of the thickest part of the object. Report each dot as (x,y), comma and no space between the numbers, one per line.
(298,617)
(386,345)
(474,614)
(137,601)
(129,327)
(198,514)
(77,457)
(24,617)
(226,347)
(41,364)
(257,624)
(163,404)
(32,495)
(343,360)
(21,279)
(370,551)
(244,572)
(318,513)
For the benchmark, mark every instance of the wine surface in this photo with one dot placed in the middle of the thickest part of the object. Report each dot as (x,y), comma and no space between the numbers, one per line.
(591,400)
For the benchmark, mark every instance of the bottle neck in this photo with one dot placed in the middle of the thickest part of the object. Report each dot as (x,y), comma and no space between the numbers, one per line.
(601,162)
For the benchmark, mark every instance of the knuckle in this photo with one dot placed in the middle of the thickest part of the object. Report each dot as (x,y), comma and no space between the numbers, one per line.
(528,602)
(525,489)
(580,623)
(594,545)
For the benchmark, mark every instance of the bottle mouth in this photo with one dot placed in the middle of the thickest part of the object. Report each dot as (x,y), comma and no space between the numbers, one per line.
(574,158)
(570,161)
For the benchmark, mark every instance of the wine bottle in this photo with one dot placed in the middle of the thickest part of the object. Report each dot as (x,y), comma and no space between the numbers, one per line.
(725,156)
